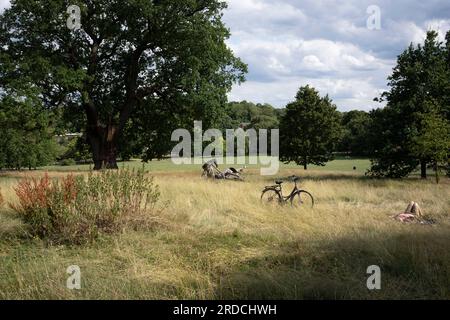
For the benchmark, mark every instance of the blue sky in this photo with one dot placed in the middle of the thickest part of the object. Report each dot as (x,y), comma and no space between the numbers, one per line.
(326,44)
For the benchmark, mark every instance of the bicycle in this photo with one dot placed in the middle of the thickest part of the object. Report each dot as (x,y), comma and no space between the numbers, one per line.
(297,197)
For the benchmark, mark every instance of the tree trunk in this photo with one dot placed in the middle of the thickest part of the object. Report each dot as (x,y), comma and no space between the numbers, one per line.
(103,142)
(436,172)
(423,169)
(305,166)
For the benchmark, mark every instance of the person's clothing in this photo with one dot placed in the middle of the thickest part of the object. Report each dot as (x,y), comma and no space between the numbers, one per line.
(231,172)
(207,164)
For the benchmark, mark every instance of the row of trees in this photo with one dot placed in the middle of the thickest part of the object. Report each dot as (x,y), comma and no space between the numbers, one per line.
(137,70)
(28,133)
(412,130)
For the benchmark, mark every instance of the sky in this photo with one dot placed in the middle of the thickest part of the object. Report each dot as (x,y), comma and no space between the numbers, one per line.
(326,44)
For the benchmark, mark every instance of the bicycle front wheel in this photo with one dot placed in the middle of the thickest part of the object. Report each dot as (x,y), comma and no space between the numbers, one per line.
(302,199)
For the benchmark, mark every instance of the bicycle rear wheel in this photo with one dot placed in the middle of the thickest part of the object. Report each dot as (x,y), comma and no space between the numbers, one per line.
(302,199)
(271,197)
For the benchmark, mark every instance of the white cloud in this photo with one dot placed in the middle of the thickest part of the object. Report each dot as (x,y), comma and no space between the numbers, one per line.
(278,66)
(347,94)
(313,62)
(325,44)
(4,4)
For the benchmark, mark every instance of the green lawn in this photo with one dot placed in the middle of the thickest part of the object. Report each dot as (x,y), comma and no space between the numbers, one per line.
(167,165)
(344,165)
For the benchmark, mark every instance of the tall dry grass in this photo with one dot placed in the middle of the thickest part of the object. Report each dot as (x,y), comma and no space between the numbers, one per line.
(221,242)
(1,198)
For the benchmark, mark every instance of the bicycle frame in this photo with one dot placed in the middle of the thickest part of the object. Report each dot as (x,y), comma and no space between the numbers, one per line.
(280,188)
(293,192)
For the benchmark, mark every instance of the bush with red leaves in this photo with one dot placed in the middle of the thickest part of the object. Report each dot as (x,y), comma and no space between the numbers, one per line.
(76,209)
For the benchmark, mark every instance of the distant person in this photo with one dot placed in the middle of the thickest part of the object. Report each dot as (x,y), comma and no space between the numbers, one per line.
(230,172)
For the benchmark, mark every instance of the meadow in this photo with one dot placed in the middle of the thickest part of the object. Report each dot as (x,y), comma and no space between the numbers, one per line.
(217,241)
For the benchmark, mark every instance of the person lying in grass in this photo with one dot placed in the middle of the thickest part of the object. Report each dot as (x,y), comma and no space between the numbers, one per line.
(230,173)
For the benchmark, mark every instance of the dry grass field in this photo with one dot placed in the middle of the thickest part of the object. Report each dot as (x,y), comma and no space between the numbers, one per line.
(216,240)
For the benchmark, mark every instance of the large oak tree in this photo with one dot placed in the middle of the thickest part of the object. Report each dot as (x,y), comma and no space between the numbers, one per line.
(137,65)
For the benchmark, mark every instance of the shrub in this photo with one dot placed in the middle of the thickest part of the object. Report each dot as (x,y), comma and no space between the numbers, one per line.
(67,162)
(77,209)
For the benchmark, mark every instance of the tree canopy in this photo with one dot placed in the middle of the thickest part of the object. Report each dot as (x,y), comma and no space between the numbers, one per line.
(310,129)
(356,126)
(419,86)
(26,134)
(147,66)
(433,141)
(251,115)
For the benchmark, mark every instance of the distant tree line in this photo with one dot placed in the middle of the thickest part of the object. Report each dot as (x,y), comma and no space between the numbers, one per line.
(412,131)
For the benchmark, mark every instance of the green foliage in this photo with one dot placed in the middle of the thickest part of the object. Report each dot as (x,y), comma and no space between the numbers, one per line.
(310,129)
(247,115)
(77,210)
(250,115)
(387,142)
(26,135)
(419,86)
(135,68)
(67,162)
(433,141)
(356,129)
(74,150)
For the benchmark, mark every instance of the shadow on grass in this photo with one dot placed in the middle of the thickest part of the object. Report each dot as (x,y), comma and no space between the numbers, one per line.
(317,176)
(413,266)
(12,229)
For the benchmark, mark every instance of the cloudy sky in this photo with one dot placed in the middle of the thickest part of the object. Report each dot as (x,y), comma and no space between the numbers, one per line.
(327,44)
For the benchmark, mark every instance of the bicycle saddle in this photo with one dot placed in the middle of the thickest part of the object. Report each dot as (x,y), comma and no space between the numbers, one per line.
(279,182)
